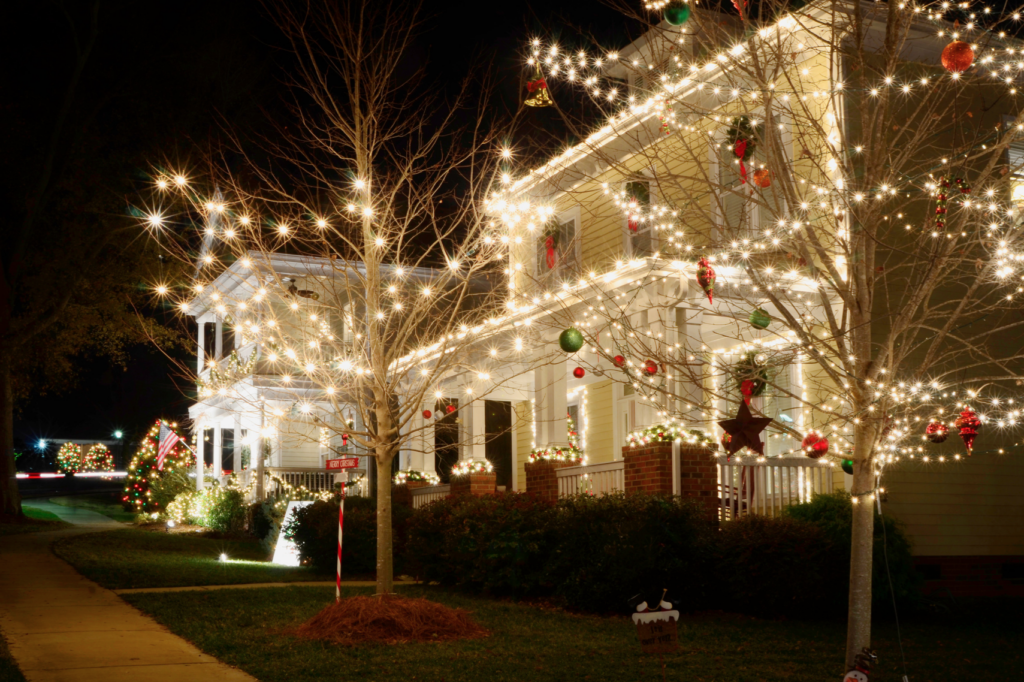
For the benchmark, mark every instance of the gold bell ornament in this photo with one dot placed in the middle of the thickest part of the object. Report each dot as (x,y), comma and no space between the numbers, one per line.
(538,89)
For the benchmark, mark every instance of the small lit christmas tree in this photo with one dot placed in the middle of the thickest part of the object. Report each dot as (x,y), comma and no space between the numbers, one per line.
(69,458)
(136,495)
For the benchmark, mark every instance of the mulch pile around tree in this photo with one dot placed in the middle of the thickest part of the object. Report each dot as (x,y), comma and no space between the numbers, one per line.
(388,620)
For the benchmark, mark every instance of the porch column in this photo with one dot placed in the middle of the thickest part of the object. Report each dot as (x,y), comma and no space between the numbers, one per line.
(474,436)
(219,347)
(200,456)
(236,445)
(201,351)
(257,449)
(218,449)
(549,388)
(417,442)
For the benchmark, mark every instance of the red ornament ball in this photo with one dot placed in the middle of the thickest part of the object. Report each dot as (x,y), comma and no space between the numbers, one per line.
(449,409)
(578,372)
(937,432)
(957,57)
(651,367)
(427,414)
(619,360)
(762,178)
(815,445)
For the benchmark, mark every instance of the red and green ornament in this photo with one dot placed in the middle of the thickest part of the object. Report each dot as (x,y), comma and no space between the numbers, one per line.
(760,318)
(571,340)
(969,424)
(847,465)
(815,445)
(706,278)
(677,13)
(579,372)
(937,432)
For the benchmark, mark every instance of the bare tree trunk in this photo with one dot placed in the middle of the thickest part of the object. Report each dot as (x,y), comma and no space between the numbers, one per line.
(858,630)
(385,558)
(10,498)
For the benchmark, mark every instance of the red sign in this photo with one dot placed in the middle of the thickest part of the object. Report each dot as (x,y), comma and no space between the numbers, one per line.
(343,463)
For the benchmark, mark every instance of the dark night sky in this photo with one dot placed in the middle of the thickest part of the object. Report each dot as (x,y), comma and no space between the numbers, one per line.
(187,60)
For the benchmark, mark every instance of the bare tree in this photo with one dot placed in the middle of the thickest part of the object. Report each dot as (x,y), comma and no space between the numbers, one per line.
(849,184)
(370,193)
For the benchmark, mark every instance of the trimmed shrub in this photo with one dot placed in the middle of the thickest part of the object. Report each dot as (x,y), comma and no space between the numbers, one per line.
(499,543)
(165,486)
(220,509)
(833,514)
(776,567)
(608,549)
(315,533)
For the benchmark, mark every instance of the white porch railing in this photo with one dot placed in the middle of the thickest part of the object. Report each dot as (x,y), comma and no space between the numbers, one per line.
(750,487)
(594,479)
(314,479)
(424,496)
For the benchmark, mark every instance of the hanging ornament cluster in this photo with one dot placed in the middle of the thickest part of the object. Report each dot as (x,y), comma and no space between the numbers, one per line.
(706,278)
(579,372)
(741,138)
(676,13)
(940,201)
(753,375)
(957,57)
(760,319)
(937,432)
(570,340)
(538,92)
(815,445)
(968,423)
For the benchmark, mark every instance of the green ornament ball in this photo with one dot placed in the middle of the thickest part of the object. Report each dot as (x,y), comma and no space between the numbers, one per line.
(677,15)
(760,319)
(848,466)
(571,340)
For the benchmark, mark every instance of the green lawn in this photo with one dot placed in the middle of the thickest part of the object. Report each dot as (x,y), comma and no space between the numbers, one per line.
(39,514)
(140,558)
(247,628)
(9,671)
(108,504)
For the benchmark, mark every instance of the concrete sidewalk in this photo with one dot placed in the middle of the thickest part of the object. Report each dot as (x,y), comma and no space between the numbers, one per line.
(79,517)
(62,627)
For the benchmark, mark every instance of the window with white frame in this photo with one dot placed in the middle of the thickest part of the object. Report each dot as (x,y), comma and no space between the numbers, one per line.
(1015,160)
(558,246)
(641,239)
(778,403)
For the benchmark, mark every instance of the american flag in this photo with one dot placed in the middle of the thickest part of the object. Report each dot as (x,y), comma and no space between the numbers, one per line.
(168,439)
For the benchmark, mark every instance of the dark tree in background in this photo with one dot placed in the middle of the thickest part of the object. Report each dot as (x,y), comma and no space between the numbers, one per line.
(90,92)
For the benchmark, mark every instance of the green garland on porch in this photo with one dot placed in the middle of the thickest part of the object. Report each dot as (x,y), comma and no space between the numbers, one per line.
(233,370)
(469,466)
(571,453)
(667,433)
(413,476)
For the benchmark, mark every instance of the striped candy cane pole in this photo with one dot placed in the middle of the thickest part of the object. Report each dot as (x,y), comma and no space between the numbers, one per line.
(341,522)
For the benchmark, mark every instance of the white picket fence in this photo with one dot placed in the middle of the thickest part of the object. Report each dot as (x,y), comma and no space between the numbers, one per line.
(765,488)
(593,479)
(426,495)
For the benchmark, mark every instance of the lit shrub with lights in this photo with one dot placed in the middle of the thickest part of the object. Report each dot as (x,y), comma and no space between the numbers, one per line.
(223,510)
(69,458)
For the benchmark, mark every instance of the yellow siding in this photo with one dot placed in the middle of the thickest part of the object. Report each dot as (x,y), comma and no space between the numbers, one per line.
(524,441)
(600,447)
(967,508)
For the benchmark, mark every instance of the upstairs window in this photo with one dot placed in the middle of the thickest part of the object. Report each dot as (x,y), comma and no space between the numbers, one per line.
(557,248)
(639,223)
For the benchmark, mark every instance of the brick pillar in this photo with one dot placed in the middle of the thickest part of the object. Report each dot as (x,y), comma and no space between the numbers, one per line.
(648,469)
(474,484)
(541,479)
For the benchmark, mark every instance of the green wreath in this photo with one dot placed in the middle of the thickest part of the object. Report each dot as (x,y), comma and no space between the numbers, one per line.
(740,129)
(748,368)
